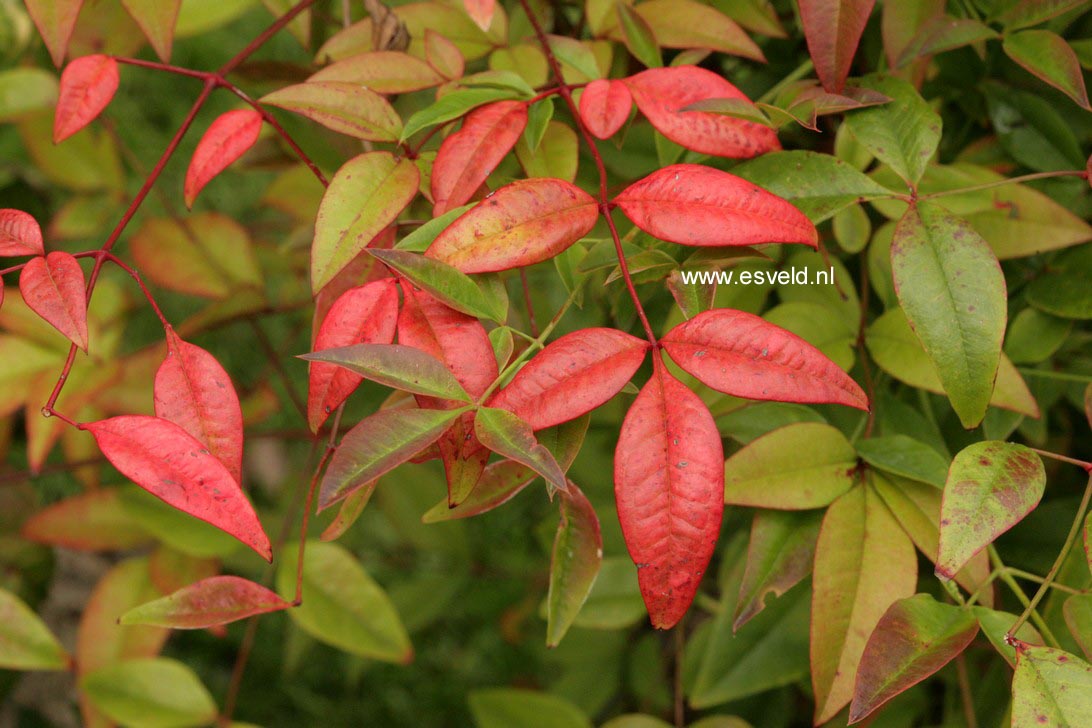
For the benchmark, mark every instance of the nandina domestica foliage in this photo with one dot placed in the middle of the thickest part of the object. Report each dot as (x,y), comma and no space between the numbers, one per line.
(329,291)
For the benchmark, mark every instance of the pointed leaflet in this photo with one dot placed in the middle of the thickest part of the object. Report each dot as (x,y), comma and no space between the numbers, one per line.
(378,444)
(347,108)
(669,485)
(694,205)
(522,223)
(950,285)
(207,603)
(156,19)
(469,155)
(573,375)
(55,20)
(605,106)
(366,314)
(637,36)
(385,72)
(194,392)
(863,563)
(397,366)
(19,234)
(779,555)
(507,435)
(53,287)
(129,692)
(93,521)
(225,141)
(661,93)
(692,24)
(448,285)
(903,133)
(991,487)
(743,355)
(1050,688)
(443,55)
(481,12)
(365,196)
(1048,56)
(169,463)
(833,31)
(577,556)
(87,86)
(915,637)
(25,642)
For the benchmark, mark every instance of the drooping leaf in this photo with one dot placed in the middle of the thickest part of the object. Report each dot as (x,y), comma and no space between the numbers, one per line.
(226,139)
(692,24)
(694,205)
(348,513)
(507,435)
(499,483)
(207,603)
(366,314)
(904,133)
(469,155)
(156,19)
(833,31)
(342,605)
(515,708)
(1048,56)
(365,196)
(156,692)
(378,444)
(194,392)
(385,72)
(572,375)
(88,84)
(604,107)
(446,284)
(637,36)
(172,465)
(660,93)
(577,555)
(863,564)
(779,556)
(19,234)
(347,108)
(522,223)
(991,486)
(395,365)
(93,521)
(1050,687)
(743,355)
(26,643)
(822,468)
(669,486)
(55,20)
(53,287)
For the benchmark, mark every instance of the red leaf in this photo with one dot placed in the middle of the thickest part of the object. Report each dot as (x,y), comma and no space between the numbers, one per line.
(833,31)
(364,315)
(694,205)
(169,463)
(469,155)
(573,375)
(207,603)
(53,287)
(526,222)
(19,234)
(662,93)
(225,141)
(87,86)
(669,485)
(605,106)
(194,392)
(481,11)
(746,356)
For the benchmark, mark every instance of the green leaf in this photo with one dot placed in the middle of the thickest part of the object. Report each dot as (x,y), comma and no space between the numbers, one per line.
(348,108)
(512,708)
(779,556)
(398,366)
(1051,687)
(822,468)
(507,435)
(453,105)
(736,108)
(950,286)
(905,456)
(1047,55)
(156,19)
(991,486)
(1033,336)
(24,91)
(1064,291)
(342,605)
(818,184)
(577,555)
(1077,611)
(538,118)
(615,599)
(915,638)
(499,483)
(25,642)
(446,283)
(575,54)
(903,133)
(556,156)
(419,240)
(691,24)
(173,527)
(638,36)
(365,196)
(995,625)
(154,693)
(1023,13)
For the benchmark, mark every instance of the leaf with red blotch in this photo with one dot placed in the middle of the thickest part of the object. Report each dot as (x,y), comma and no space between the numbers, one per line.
(746,356)
(694,205)
(833,31)
(481,11)
(605,106)
(522,223)
(210,602)
(172,465)
(194,392)
(573,375)
(226,139)
(19,233)
(53,287)
(88,84)
(367,314)
(669,485)
(156,19)
(469,155)
(55,20)
(662,93)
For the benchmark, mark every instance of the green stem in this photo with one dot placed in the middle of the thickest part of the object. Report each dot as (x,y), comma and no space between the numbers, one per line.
(1006,577)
